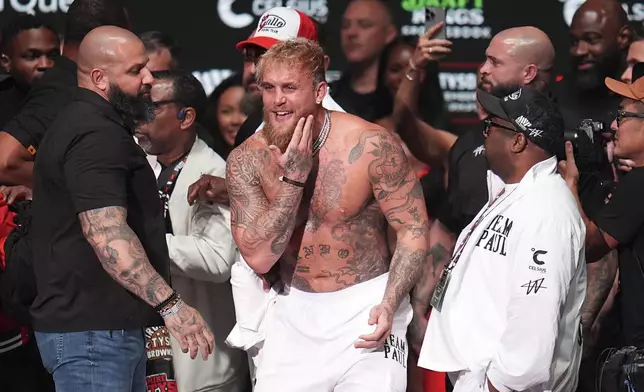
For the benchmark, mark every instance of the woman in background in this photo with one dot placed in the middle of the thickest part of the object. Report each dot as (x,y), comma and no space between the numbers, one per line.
(224,114)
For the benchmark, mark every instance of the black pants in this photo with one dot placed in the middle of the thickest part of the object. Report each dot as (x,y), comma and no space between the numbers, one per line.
(21,370)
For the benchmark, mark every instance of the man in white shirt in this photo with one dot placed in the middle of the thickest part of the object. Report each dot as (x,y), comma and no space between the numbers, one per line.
(199,239)
(507,308)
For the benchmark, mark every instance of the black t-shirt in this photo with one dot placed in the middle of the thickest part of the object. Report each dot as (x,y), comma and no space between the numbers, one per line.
(370,107)
(47,97)
(88,160)
(11,96)
(467,182)
(249,127)
(576,105)
(623,219)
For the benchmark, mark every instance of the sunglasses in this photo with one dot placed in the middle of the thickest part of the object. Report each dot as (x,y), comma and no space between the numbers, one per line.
(489,124)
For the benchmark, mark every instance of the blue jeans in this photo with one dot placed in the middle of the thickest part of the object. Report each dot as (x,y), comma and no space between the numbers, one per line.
(95,361)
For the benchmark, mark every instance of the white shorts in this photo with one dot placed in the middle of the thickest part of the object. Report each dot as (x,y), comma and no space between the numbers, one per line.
(310,338)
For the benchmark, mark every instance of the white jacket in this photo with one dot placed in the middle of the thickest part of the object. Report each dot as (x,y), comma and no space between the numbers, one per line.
(511,311)
(202,250)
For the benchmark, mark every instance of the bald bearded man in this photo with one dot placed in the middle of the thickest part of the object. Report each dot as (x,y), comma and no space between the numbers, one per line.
(516,57)
(100,255)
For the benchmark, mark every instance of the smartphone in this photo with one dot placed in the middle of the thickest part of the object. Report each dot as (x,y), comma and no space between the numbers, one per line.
(434,16)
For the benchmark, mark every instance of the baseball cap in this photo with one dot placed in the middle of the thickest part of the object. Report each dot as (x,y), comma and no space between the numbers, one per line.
(281,24)
(634,90)
(531,112)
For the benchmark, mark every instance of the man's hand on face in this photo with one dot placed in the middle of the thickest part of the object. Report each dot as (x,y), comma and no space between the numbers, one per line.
(208,189)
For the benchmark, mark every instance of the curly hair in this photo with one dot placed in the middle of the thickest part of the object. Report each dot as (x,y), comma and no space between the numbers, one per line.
(293,54)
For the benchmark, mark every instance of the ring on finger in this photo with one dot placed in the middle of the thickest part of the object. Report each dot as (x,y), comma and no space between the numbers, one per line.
(430,50)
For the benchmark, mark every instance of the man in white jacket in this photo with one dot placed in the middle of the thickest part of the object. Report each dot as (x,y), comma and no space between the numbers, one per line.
(199,238)
(507,308)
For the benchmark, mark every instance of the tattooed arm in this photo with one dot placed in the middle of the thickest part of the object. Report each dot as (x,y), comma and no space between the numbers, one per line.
(400,196)
(441,246)
(600,278)
(121,253)
(262,228)
(122,256)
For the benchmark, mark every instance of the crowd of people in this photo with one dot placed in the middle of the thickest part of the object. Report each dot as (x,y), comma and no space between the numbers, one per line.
(289,234)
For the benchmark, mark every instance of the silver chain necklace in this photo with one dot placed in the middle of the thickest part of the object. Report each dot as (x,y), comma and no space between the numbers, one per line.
(324,133)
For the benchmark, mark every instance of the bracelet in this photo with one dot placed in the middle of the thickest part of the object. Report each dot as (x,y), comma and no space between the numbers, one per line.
(171,310)
(172,298)
(292,182)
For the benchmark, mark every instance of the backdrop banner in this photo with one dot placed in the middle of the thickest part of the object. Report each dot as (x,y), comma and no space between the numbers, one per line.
(207,30)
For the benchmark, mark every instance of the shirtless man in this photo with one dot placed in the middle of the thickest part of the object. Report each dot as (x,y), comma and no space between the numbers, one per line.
(313,192)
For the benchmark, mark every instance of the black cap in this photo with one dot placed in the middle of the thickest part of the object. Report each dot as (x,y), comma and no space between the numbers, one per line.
(531,112)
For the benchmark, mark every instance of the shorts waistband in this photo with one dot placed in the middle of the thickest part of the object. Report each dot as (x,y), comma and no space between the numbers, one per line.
(372,286)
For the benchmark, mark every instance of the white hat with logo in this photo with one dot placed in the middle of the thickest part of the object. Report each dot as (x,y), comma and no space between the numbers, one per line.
(280,24)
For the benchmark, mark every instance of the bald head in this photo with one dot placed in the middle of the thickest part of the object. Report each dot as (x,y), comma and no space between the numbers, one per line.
(519,56)
(529,45)
(112,63)
(105,46)
(600,38)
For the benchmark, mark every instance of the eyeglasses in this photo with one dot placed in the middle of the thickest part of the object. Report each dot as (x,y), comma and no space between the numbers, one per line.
(158,104)
(621,115)
(489,123)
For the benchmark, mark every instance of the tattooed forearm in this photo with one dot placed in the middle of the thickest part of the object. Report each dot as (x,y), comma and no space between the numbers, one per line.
(261,229)
(406,268)
(399,194)
(437,257)
(121,253)
(600,278)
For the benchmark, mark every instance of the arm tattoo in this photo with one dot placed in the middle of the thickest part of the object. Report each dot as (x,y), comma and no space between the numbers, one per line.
(121,253)
(400,196)
(601,275)
(259,225)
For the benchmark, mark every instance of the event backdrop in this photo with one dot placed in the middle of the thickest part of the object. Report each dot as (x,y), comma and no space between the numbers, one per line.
(208,30)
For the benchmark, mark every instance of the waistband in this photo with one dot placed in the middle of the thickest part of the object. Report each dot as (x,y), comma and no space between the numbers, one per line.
(372,286)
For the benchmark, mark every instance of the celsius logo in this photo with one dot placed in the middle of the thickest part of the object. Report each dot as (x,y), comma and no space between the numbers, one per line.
(32,6)
(231,19)
(271,21)
(536,254)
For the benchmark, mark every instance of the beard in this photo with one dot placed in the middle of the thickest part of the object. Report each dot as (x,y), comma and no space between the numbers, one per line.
(133,109)
(279,135)
(605,66)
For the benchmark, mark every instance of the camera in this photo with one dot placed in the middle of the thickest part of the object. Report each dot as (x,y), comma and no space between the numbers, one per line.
(588,145)
(596,179)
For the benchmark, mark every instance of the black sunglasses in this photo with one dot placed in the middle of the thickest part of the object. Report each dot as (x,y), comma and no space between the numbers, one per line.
(157,104)
(489,123)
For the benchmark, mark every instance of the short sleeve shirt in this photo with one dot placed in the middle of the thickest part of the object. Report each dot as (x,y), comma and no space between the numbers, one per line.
(89,160)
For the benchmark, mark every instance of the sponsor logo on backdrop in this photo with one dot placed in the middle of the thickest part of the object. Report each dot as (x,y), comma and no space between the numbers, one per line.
(459,91)
(317,9)
(210,79)
(465,18)
(635,10)
(36,6)
(230,18)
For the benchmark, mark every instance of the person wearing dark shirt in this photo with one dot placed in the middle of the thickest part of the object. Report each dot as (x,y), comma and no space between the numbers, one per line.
(20,137)
(28,48)
(600,38)
(367,29)
(100,256)
(620,223)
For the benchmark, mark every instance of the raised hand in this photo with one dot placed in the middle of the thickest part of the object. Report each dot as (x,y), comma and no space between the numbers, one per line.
(297,160)
(568,168)
(191,331)
(430,49)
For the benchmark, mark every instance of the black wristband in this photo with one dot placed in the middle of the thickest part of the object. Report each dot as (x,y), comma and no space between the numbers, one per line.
(292,182)
(167,301)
